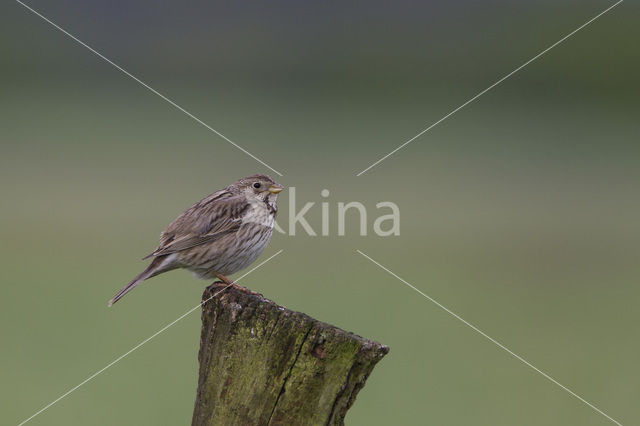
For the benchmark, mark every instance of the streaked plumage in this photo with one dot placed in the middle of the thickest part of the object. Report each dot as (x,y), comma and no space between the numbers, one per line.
(219,235)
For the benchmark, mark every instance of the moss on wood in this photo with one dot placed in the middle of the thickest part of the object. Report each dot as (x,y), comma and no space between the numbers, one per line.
(262,364)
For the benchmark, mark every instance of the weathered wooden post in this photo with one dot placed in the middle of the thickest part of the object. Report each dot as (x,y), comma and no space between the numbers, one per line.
(262,364)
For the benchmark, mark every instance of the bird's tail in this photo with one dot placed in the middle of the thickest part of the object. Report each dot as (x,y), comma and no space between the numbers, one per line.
(157,266)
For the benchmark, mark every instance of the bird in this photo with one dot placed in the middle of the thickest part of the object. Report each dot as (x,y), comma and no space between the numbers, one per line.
(219,235)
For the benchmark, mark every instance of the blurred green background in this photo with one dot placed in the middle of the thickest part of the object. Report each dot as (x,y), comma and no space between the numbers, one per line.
(519,213)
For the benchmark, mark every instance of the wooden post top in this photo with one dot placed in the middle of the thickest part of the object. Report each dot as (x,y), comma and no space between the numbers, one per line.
(263,364)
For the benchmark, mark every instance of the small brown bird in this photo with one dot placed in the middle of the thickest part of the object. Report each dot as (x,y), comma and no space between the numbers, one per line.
(219,235)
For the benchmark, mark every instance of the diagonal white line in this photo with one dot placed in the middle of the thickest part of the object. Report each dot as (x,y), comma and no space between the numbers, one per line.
(494,341)
(490,87)
(148,87)
(91,377)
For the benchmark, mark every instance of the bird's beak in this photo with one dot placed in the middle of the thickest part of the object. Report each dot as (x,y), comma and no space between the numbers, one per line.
(275,188)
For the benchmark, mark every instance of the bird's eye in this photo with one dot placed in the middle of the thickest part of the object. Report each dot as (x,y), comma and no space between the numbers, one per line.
(256,185)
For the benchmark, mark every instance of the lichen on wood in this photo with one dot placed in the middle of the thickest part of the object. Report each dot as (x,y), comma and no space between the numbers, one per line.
(262,364)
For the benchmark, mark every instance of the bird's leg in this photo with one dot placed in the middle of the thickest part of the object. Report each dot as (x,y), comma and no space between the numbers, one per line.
(225,279)
(233,284)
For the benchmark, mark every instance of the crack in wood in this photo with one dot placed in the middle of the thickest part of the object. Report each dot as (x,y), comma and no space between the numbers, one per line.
(284,382)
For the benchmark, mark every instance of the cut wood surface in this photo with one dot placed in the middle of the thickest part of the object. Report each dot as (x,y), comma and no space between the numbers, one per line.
(263,364)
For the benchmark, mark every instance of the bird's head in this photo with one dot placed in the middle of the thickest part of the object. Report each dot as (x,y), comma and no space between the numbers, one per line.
(258,186)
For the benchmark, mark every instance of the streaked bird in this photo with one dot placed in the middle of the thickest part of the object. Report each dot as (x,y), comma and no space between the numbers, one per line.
(219,235)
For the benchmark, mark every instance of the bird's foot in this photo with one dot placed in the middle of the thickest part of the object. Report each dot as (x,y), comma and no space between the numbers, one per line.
(236,286)
(244,289)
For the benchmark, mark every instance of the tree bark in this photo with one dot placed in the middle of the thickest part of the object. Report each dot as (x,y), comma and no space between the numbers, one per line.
(262,364)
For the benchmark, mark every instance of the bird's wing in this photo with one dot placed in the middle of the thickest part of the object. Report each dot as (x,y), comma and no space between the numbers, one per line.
(217,215)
